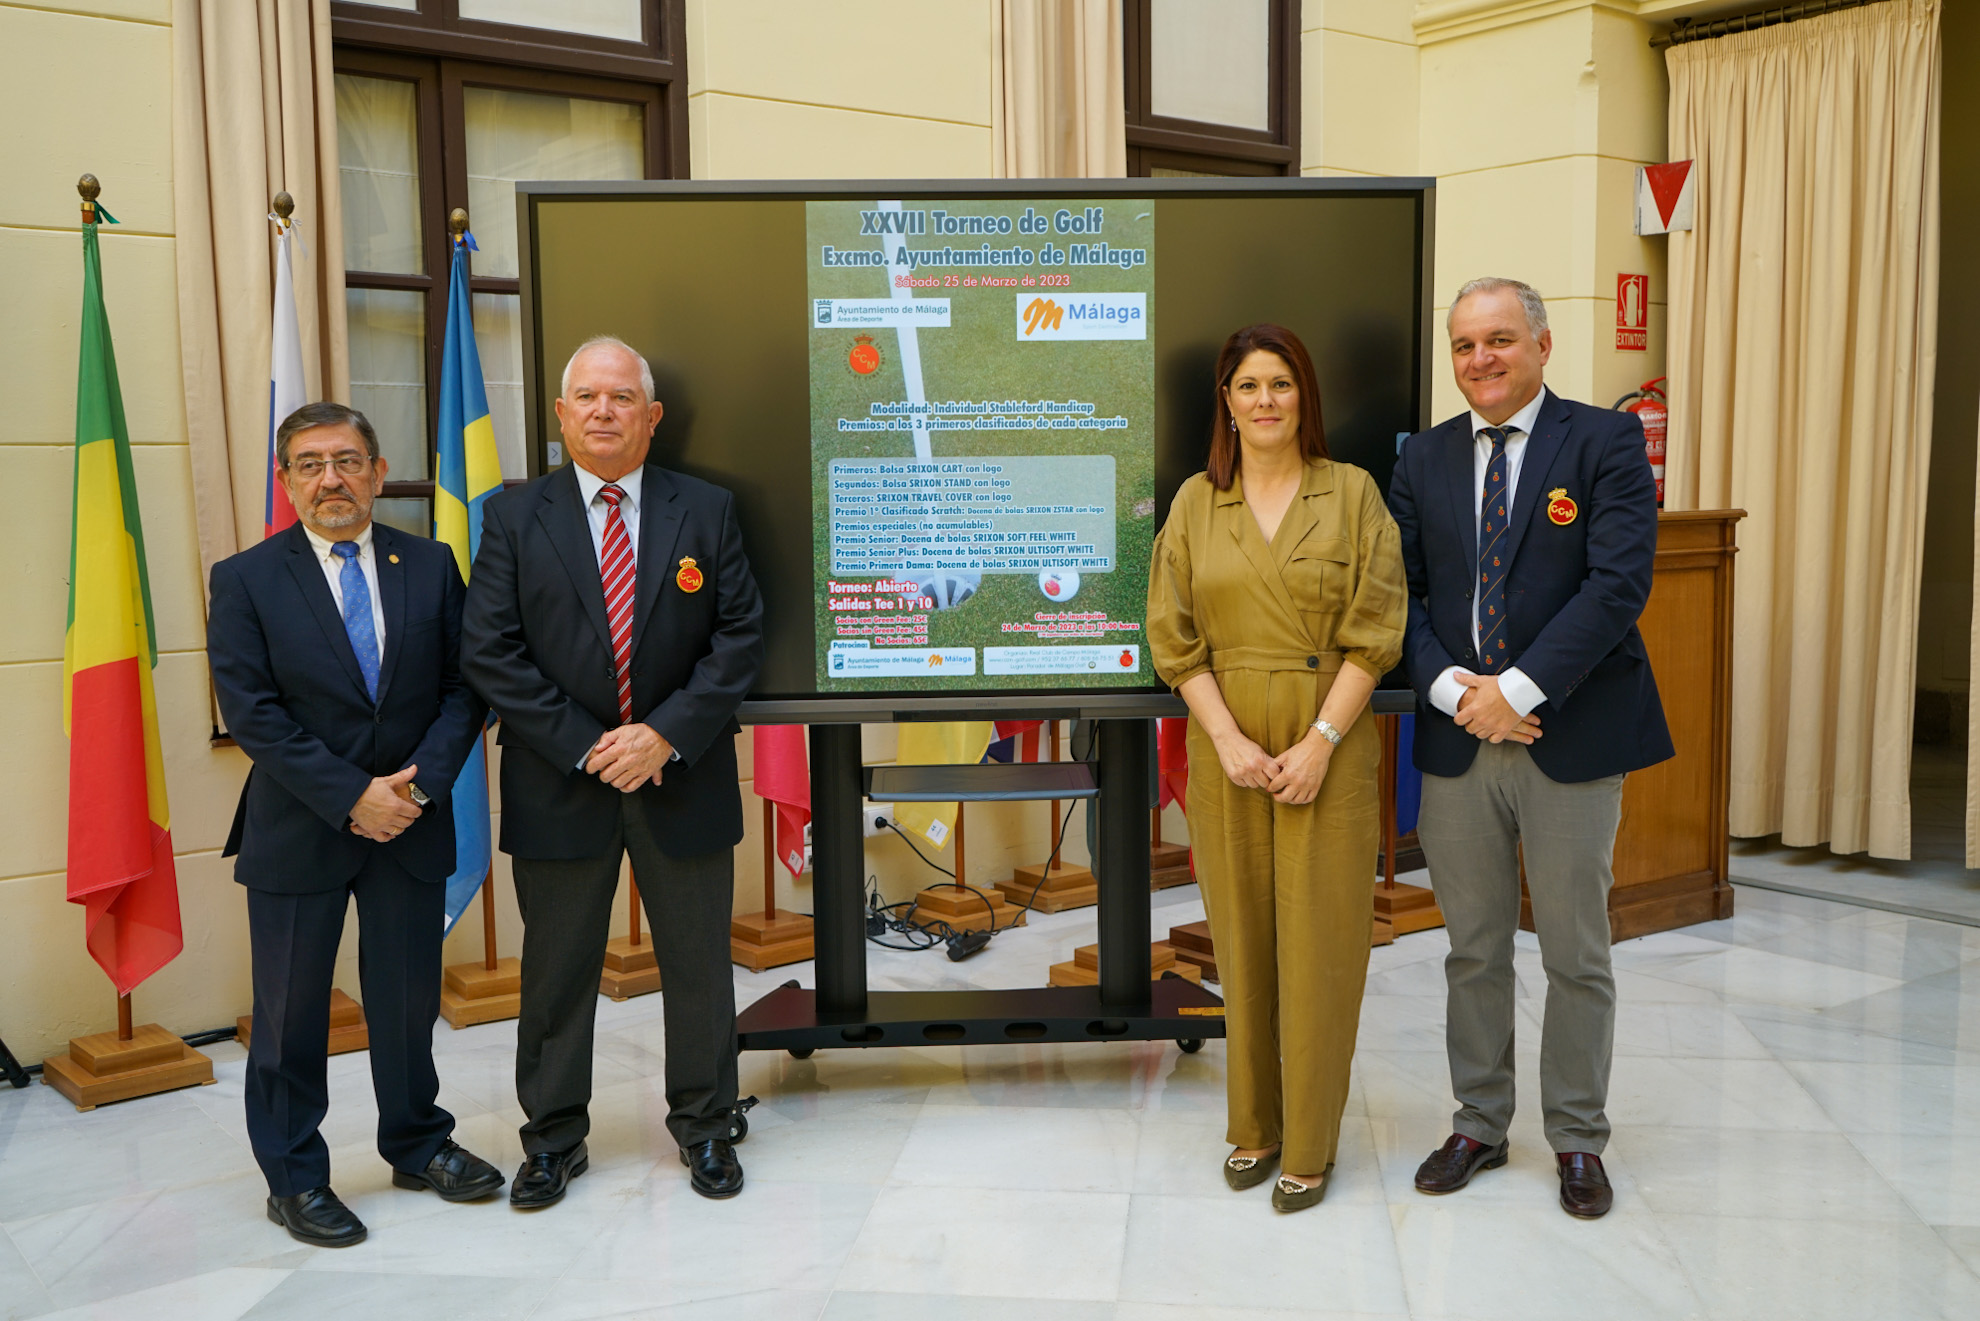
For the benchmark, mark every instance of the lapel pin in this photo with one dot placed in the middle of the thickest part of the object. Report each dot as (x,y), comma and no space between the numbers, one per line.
(689,578)
(393,558)
(1559,508)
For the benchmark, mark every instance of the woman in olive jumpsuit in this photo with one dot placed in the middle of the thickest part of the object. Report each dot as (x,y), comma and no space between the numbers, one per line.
(1276,601)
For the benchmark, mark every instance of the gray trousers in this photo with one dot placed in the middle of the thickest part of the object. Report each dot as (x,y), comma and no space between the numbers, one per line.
(567,914)
(1474,828)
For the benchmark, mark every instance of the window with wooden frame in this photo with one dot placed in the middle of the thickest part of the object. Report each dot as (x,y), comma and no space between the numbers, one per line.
(1211,89)
(447,103)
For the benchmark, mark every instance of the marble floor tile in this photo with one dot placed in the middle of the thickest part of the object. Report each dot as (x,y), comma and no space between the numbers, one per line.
(1937,1174)
(1886,944)
(1756,976)
(1749,1172)
(1822,1270)
(362,1296)
(222,1295)
(1237,1252)
(1712,1093)
(1920,1099)
(1696,1031)
(1187,1160)
(132,1148)
(1822,1037)
(784,1236)
(1193,1312)
(1061,1149)
(847,1306)
(635,1300)
(21,1294)
(1499,1263)
(1008,1244)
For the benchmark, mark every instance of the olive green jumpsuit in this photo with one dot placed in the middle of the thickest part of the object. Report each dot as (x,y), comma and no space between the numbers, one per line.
(1289,890)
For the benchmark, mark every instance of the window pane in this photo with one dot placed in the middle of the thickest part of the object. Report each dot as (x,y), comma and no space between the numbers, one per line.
(528,135)
(378,164)
(498,338)
(1211,62)
(594,18)
(388,374)
(407,513)
(409,6)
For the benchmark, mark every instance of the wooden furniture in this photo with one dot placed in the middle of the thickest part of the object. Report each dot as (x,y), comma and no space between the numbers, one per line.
(1399,908)
(484,992)
(631,967)
(127,1063)
(1067,885)
(1671,862)
(1084,968)
(348,1030)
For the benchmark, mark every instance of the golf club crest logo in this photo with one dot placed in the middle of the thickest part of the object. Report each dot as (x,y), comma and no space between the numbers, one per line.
(865,358)
(689,578)
(1560,509)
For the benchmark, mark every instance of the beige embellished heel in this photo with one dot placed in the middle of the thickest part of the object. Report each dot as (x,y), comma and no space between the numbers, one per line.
(1292,1195)
(1242,1172)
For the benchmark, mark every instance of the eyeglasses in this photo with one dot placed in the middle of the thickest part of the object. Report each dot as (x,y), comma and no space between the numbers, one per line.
(348,465)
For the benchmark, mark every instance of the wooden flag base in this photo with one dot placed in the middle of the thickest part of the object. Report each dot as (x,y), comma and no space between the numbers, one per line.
(964,909)
(1084,970)
(1191,941)
(760,941)
(1168,865)
(1066,887)
(99,1069)
(348,1030)
(472,993)
(629,969)
(1406,908)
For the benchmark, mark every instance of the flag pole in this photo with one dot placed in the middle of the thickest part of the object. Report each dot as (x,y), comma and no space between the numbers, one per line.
(769,861)
(124,1017)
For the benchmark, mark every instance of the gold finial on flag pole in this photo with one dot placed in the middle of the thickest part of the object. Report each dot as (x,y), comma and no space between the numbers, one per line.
(90,189)
(457,223)
(285,206)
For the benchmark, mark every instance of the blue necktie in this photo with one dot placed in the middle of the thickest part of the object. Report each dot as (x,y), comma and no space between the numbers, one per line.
(1492,568)
(357,614)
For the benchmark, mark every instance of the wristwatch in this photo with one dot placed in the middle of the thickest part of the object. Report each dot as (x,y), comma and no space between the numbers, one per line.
(1328,732)
(418,795)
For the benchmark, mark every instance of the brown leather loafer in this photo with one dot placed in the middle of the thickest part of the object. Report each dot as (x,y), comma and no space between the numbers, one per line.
(1585,1191)
(1451,1166)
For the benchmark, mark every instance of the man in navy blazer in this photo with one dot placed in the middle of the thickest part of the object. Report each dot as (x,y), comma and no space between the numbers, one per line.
(614,626)
(1529,532)
(335,650)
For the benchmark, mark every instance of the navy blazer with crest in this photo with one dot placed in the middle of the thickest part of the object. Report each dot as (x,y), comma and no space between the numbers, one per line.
(293,698)
(1578,582)
(537,646)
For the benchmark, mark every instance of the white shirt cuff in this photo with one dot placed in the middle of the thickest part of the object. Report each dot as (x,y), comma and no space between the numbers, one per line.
(1520,692)
(1446,692)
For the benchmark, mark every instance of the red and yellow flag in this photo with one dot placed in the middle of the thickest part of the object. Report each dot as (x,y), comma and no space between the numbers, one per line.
(120,830)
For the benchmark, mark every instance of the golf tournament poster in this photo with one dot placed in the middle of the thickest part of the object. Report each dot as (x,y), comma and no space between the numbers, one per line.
(982,437)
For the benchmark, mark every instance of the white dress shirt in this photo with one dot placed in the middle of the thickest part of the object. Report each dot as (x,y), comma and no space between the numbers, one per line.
(333,569)
(595,510)
(1519,691)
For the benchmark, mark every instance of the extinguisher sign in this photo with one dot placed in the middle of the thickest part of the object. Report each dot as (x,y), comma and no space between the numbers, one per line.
(1633,312)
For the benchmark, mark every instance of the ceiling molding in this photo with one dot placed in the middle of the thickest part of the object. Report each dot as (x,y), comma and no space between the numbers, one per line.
(1443,20)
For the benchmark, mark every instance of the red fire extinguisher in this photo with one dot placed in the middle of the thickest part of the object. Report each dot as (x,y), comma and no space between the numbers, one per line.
(1647,402)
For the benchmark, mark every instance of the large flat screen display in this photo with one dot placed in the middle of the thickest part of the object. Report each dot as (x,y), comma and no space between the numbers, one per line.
(954,414)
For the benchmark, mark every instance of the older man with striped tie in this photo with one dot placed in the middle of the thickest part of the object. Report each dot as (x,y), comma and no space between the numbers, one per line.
(1529,530)
(613,624)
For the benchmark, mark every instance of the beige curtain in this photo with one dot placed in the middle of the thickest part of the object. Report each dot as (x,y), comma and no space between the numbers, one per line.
(1973,721)
(1803,338)
(253,114)
(1058,108)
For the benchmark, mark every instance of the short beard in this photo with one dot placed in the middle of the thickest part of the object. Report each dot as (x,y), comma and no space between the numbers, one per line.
(338,521)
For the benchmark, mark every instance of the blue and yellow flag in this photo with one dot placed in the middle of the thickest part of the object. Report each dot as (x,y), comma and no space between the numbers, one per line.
(469,472)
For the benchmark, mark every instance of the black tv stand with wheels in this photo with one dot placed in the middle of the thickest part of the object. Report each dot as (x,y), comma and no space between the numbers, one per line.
(841,1012)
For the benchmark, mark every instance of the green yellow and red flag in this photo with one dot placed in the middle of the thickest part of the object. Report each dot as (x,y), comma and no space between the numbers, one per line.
(120,830)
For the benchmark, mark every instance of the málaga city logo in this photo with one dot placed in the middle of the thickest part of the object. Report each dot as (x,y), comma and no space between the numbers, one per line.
(1042,312)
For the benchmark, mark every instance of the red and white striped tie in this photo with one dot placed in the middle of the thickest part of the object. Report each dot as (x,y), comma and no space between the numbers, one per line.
(616,568)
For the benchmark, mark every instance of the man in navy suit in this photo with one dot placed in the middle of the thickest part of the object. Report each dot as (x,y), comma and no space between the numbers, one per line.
(335,648)
(1529,531)
(614,626)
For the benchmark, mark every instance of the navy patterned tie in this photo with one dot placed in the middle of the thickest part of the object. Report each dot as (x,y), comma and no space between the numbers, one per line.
(357,613)
(1492,522)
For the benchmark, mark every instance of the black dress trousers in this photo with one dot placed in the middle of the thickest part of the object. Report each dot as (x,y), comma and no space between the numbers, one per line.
(567,912)
(294,940)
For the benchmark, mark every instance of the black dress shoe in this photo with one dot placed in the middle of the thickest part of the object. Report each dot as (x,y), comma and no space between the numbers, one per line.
(317,1218)
(713,1167)
(456,1173)
(1451,1166)
(1585,1191)
(544,1177)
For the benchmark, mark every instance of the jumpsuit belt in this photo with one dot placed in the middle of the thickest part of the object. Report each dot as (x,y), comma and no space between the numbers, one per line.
(1271,658)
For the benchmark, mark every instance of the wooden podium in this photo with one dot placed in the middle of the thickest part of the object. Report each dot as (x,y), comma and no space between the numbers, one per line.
(1672,866)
